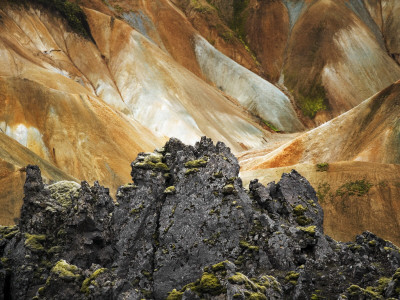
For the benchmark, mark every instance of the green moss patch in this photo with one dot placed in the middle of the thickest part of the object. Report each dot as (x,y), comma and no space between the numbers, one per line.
(64,270)
(191,171)
(88,281)
(239,17)
(200,7)
(303,220)
(198,163)
(137,210)
(8,232)
(292,277)
(309,230)
(175,295)
(257,296)
(34,242)
(358,188)
(323,190)
(299,210)
(238,278)
(219,267)
(322,167)
(248,246)
(152,161)
(170,190)
(210,284)
(228,189)
(310,106)
(218,174)
(64,191)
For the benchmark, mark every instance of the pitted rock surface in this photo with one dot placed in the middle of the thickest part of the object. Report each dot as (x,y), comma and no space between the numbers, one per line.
(186,228)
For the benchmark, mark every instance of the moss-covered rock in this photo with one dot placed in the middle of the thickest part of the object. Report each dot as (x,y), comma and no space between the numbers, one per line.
(247,245)
(34,242)
(175,295)
(64,192)
(191,171)
(299,210)
(228,189)
(152,161)
(309,230)
(8,232)
(170,190)
(209,284)
(90,280)
(219,266)
(66,271)
(197,163)
(292,277)
(257,296)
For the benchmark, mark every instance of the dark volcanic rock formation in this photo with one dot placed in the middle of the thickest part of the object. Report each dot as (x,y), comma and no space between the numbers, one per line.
(186,229)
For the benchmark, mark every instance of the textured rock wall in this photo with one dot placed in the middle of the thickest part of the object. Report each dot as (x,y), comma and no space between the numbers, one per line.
(186,229)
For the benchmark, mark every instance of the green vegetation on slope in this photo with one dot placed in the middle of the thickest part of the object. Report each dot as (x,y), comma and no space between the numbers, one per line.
(358,187)
(71,11)
(239,17)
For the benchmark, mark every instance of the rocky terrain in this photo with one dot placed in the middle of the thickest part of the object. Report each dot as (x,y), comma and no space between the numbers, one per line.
(87,86)
(185,228)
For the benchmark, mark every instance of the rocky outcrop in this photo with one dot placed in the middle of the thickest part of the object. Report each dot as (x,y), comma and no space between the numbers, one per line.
(355,196)
(13,159)
(186,229)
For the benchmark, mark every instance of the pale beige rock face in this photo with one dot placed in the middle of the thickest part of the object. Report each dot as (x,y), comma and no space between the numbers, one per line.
(90,108)
(167,98)
(360,72)
(79,133)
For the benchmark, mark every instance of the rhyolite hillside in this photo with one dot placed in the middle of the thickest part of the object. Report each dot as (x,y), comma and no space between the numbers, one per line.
(186,229)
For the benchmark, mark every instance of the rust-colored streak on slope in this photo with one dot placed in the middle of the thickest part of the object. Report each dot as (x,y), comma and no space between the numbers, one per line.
(267,32)
(348,215)
(175,31)
(290,155)
(80,134)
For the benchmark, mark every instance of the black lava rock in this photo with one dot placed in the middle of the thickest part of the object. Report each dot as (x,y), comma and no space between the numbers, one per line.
(185,228)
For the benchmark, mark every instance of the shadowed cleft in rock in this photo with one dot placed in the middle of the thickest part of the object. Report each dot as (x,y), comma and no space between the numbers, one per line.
(186,229)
